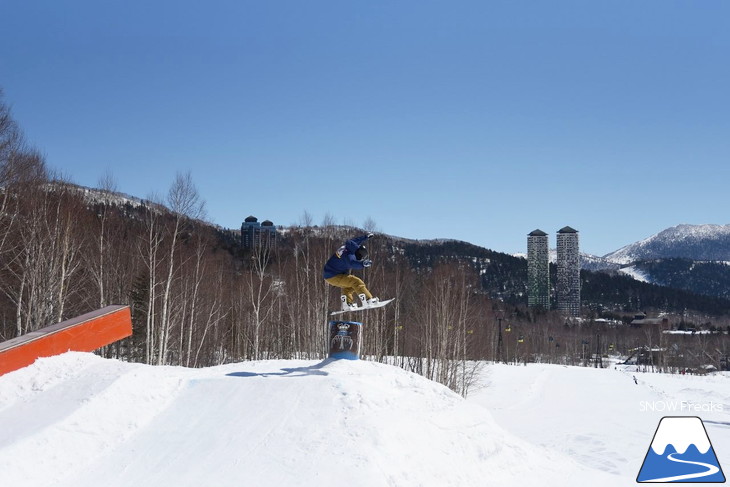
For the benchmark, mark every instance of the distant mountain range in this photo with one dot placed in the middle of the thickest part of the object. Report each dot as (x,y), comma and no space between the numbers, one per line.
(695,242)
(690,257)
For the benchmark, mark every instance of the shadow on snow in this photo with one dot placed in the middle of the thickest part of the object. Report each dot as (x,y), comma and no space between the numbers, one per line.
(288,372)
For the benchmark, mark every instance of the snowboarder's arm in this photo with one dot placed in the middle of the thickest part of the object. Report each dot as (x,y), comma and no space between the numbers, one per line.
(353,244)
(354,263)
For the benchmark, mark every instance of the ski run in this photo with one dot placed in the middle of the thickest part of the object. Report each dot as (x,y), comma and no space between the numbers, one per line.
(83,421)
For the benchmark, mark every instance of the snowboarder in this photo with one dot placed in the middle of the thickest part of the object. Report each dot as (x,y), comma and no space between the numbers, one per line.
(338,272)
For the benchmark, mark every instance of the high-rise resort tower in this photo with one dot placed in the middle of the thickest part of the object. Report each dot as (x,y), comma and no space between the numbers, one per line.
(257,235)
(568,286)
(538,270)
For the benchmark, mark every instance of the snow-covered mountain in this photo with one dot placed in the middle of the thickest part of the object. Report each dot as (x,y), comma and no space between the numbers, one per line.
(595,263)
(588,262)
(690,257)
(94,196)
(697,242)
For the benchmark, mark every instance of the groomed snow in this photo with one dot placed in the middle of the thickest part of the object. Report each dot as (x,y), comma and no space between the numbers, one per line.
(79,420)
(602,418)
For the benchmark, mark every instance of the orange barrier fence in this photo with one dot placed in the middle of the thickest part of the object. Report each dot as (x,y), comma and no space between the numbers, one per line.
(84,333)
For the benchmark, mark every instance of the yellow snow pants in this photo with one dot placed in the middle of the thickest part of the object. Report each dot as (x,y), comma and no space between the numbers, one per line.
(350,285)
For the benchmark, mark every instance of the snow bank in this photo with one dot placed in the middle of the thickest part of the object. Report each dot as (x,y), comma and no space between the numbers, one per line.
(602,418)
(62,413)
(78,420)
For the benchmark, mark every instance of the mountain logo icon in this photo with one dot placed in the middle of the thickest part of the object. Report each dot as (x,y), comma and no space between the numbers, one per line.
(680,452)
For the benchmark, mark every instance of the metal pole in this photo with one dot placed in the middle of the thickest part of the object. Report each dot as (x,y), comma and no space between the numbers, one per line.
(499,340)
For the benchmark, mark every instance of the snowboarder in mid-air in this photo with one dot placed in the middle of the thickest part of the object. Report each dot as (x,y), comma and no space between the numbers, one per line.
(338,272)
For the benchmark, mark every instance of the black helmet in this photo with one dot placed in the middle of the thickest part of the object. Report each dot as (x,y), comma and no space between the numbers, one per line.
(361,253)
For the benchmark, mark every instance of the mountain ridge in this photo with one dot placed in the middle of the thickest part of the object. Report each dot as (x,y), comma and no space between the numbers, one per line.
(690,257)
(705,242)
(503,275)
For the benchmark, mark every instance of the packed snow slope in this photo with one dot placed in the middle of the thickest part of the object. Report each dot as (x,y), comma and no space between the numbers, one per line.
(603,418)
(79,420)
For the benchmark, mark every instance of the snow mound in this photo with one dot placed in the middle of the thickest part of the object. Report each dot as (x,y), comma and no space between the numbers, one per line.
(79,420)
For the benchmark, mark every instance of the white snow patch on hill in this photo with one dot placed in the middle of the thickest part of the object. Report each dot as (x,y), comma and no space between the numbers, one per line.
(79,420)
(601,417)
(636,273)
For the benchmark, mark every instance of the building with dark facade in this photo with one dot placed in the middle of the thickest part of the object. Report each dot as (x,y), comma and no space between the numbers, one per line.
(257,235)
(568,264)
(538,270)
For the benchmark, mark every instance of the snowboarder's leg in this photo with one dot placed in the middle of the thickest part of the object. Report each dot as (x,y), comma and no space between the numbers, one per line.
(340,281)
(358,287)
(350,285)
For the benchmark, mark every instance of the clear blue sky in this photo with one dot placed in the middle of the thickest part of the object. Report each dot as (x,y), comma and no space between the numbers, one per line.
(475,120)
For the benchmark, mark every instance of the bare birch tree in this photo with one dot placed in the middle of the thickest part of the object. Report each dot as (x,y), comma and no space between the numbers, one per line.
(41,267)
(186,205)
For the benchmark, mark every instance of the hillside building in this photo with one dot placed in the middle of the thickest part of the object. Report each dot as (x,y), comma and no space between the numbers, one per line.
(568,264)
(257,235)
(538,270)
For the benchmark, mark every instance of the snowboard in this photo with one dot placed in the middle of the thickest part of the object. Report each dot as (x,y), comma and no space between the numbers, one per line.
(379,304)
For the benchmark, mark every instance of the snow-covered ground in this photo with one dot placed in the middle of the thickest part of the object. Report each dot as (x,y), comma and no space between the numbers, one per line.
(79,420)
(602,418)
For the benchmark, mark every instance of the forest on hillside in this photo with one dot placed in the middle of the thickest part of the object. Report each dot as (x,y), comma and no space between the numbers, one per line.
(198,299)
(710,278)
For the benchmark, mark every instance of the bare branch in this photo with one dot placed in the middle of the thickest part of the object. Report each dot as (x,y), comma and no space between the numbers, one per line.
(184,198)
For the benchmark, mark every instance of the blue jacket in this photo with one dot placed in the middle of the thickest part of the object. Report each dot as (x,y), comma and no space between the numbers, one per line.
(344,259)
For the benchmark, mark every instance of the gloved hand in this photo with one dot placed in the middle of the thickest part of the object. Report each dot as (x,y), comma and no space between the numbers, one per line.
(367,263)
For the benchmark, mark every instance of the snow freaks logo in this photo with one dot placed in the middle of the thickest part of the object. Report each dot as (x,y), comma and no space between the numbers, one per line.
(681,452)
(681,407)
